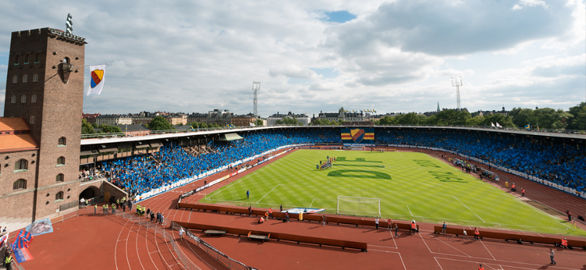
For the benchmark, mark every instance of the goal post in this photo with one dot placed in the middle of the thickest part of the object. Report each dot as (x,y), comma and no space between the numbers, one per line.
(358,206)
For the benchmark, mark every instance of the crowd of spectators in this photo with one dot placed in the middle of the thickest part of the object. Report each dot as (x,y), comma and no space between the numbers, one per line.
(547,158)
(139,174)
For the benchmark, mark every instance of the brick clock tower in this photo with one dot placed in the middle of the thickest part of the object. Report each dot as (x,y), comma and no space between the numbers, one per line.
(44,87)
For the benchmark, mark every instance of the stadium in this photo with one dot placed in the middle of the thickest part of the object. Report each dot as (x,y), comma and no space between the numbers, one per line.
(358,195)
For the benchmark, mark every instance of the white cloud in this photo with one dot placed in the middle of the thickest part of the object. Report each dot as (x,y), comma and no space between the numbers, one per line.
(396,55)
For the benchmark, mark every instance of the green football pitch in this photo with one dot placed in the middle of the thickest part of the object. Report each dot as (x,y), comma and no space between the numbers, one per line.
(408,185)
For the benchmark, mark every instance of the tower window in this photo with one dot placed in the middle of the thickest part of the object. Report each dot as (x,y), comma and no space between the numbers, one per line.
(14,79)
(16,60)
(21,165)
(32,120)
(62,141)
(26,59)
(25,78)
(60,178)
(37,58)
(33,98)
(59,196)
(23,99)
(61,161)
(35,77)
(13,99)
(19,184)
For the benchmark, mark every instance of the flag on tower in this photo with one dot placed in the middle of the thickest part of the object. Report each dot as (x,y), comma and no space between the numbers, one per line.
(97,79)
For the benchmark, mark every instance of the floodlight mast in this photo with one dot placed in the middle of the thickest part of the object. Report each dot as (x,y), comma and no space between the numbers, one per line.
(255,89)
(457,82)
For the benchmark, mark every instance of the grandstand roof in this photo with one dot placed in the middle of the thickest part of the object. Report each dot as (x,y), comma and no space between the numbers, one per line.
(94,141)
(228,137)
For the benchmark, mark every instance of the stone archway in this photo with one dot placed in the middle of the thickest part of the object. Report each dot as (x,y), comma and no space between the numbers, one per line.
(89,192)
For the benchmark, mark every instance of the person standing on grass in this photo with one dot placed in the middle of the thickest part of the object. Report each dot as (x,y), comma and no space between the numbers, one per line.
(569,215)
(247,194)
(552,256)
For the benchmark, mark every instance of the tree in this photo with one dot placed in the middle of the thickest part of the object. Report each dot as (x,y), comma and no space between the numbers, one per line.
(259,123)
(522,117)
(289,121)
(410,119)
(387,120)
(110,129)
(502,119)
(159,123)
(452,117)
(325,122)
(86,127)
(578,120)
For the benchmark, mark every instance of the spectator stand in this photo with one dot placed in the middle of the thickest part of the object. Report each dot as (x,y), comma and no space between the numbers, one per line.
(182,182)
(581,194)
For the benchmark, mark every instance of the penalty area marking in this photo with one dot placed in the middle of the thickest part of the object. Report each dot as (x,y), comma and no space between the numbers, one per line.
(263,196)
(469,209)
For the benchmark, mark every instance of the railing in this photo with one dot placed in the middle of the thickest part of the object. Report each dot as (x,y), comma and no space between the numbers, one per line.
(214,253)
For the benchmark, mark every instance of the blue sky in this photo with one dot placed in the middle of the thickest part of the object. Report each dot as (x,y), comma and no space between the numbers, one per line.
(340,16)
(394,56)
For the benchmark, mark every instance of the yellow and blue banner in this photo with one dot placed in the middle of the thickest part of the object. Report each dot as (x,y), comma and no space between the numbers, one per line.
(358,135)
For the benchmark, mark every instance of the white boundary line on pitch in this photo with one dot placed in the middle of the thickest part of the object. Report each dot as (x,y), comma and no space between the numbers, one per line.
(412,216)
(469,209)
(263,196)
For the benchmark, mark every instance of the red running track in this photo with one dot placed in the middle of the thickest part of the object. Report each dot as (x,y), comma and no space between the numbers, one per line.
(124,241)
